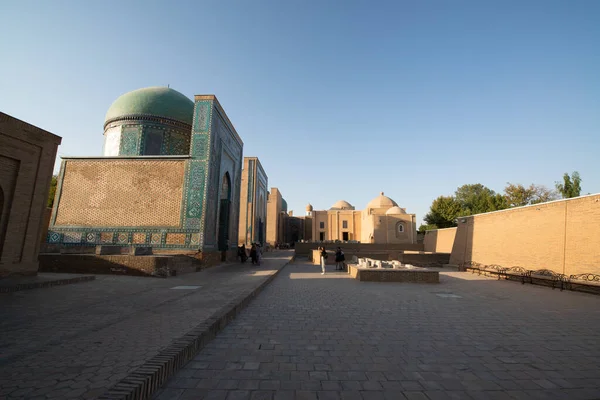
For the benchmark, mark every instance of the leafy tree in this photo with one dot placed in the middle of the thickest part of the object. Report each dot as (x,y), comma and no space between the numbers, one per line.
(52,191)
(426,227)
(443,212)
(571,185)
(477,198)
(518,195)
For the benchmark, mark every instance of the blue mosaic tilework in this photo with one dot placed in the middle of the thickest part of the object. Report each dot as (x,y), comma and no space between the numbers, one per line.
(54,237)
(130,141)
(192,223)
(199,146)
(202,115)
(178,144)
(195,189)
(90,237)
(72,237)
(123,238)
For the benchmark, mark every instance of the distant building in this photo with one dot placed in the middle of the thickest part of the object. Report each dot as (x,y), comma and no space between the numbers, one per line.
(27,155)
(382,221)
(253,203)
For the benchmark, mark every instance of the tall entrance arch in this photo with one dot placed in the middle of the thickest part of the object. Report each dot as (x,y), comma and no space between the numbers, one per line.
(224,212)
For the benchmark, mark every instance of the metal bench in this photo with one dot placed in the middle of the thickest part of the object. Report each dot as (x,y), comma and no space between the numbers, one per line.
(584,282)
(492,269)
(514,272)
(471,266)
(547,277)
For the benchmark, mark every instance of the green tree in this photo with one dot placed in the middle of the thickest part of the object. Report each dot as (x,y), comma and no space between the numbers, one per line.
(52,191)
(477,198)
(518,195)
(571,185)
(443,212)
(426,227)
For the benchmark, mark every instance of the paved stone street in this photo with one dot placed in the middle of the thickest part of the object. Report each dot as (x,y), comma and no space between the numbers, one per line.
(308,336)
(78,340)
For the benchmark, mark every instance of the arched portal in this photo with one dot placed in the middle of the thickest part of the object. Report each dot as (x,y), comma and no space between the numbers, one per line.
(224,211)
(261,219)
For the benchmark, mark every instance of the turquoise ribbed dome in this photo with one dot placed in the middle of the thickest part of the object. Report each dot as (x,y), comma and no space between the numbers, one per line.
(283,205)
(153,101)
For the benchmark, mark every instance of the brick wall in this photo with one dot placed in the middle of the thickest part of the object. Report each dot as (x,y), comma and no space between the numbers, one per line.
(562,236)
(27,155)
(113,193)
(439,240)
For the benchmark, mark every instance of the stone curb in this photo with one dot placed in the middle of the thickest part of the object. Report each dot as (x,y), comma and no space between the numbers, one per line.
(149,377)
(36,285)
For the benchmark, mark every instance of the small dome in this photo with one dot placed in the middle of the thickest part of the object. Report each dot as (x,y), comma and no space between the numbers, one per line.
(395,210)
(283,205)
(381,201)
(152,102)
(342,205)
(309,207)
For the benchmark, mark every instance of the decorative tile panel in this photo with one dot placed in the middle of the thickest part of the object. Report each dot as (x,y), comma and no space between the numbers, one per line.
(72,237)
(202,116)
(122,238)
(155,238)
(192,223)
(175,238)
(199,146)
(139,238)
(54,237)
(90,237)
(195,189)
(130,141)
(195,239)
(106,237)
(178,144)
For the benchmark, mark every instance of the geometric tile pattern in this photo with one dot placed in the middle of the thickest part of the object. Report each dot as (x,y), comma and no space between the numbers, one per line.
(90,237)
(130,141)
(72,237)
(195,189)
(155,238)
(123,238)
(106,237)
(139,238)
(175,238)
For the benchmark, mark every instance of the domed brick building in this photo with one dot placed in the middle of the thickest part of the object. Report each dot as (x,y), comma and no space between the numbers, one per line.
(382,221)
(168,179)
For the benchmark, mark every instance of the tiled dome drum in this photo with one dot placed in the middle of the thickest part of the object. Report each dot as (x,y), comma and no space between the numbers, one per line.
(149,121)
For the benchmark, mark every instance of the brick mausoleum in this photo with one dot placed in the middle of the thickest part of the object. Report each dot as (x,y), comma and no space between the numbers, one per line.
(169,179)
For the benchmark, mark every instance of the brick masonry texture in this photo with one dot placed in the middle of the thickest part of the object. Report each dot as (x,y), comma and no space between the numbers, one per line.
(77,341)
(121,193)
(27,156)
(561,236)
(309,336)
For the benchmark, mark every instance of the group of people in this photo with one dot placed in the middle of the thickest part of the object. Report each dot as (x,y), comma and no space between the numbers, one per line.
(255,253)
(339,259)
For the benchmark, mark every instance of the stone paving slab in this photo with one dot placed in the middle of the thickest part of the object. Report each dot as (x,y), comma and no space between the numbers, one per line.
(77,341)
(43,280)
(309,336)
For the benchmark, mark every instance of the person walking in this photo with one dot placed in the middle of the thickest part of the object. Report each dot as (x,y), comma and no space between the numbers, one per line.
(323,260)
(253,255)
(339,259)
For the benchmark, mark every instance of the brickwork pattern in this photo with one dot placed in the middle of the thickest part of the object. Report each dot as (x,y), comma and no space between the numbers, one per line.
(27,156)
(127,193)
(309,336)
(561,236)
(439,240)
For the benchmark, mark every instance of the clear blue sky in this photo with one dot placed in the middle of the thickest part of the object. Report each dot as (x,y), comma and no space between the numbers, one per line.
(339,100)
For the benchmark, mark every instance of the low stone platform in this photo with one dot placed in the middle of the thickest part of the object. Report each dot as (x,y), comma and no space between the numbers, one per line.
(420,275)
(17,283)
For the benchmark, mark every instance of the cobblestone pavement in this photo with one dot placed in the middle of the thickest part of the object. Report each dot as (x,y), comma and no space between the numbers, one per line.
(309,336)
(76,341)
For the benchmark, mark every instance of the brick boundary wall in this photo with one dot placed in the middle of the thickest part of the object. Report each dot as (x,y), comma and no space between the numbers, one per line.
(149,377)
(37,285)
